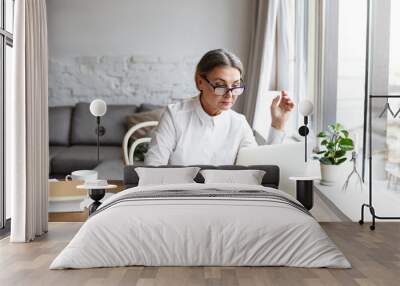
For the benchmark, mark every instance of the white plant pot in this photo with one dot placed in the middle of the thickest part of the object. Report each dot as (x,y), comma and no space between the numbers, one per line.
(332,175)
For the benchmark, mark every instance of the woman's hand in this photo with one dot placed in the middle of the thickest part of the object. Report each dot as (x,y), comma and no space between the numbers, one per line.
(280,108)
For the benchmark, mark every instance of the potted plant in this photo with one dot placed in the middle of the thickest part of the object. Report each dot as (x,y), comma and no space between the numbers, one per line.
(335,143)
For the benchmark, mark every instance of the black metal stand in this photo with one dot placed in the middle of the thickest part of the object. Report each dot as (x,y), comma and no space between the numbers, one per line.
(303,131)
(100,131)
(304,193)
(370,204)
(96,195)
(98,139)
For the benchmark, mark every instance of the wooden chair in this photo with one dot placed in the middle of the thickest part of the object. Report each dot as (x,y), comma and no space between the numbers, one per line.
(129,151)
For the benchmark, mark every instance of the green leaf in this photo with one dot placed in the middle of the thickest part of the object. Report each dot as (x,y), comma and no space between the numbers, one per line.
(340,153)
(321,135)
(347,148)
(346,144)
(330,144)
(324,142)
(325,161)
(345,133)
(340,161)
(320,152)
(346,141)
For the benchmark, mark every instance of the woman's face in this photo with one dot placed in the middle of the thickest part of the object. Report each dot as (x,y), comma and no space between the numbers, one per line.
(223,76)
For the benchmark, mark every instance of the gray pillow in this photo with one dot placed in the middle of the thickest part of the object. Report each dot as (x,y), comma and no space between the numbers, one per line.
(147,107)
(166,176)
(248,177)
(114,121)
(59,125)
(152,115)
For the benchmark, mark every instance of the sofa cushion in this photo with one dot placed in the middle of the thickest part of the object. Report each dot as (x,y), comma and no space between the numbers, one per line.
(59,125)
(82,157)
(83,131)
(53,152)
(148,106)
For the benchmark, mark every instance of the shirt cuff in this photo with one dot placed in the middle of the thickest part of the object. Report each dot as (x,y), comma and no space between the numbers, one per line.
(275,136)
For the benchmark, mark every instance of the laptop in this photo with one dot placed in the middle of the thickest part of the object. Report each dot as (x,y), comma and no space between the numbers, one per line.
(288,156)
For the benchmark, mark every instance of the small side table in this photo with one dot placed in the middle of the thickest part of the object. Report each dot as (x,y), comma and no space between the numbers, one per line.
(304,190)
(96,193)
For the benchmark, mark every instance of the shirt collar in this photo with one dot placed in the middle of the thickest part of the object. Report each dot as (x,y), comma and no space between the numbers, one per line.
(205,117)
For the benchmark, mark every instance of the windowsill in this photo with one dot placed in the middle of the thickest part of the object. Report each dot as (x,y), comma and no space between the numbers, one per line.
(386,202)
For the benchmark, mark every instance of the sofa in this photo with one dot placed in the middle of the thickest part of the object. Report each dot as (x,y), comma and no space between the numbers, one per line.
(73,141)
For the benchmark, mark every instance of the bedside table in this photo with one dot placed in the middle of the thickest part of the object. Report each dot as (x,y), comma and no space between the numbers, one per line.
(304,190)
(69,204)
(96,194)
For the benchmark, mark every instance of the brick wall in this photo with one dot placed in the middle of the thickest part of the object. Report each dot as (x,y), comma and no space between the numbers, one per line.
(131,79)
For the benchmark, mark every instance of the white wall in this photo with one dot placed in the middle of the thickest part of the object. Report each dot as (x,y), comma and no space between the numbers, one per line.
(136,50)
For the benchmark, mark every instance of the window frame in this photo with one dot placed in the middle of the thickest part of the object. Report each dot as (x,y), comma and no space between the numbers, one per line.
(315,46)
(301,68)
(6,39)
(330,49)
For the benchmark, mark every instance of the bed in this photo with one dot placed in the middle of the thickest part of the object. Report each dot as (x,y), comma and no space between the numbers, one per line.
(201,224)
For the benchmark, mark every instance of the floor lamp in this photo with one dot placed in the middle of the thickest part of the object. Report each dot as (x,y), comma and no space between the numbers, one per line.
(98,108)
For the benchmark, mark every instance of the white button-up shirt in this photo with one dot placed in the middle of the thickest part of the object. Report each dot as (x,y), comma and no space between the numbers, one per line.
(187,135)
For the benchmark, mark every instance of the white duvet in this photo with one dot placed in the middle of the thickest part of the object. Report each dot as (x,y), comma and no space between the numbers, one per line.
(200,231)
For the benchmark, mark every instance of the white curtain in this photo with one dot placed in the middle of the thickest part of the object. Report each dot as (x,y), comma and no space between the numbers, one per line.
(271,59)
(27,123)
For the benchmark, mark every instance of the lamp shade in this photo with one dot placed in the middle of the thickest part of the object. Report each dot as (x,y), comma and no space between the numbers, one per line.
(306,107)
(98,107)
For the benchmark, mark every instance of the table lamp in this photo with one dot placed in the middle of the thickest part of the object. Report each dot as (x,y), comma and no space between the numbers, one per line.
(98,108)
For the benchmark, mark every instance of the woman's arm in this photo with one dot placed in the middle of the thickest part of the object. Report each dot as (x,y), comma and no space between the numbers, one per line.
(275,136)
(281,107)
(162,142)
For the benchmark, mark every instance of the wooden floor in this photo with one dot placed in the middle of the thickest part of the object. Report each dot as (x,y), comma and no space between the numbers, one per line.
(375,257)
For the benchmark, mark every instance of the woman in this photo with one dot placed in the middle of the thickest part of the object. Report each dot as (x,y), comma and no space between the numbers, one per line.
(204,129)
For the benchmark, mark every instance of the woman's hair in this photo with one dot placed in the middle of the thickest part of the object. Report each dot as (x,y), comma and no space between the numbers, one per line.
(217,58)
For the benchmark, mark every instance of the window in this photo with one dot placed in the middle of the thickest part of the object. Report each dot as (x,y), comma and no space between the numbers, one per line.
(394,59)
(352,23)
(6,60)
(345,65)
(342,48)
(288,69)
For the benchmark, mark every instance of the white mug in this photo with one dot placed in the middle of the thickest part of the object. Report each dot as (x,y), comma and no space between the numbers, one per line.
(82,175)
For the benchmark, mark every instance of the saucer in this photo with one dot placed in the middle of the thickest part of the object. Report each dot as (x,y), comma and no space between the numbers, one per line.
(96,187)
